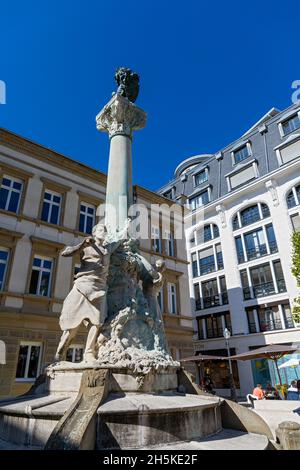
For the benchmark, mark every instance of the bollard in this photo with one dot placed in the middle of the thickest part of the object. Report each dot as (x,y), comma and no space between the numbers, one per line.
(288,435)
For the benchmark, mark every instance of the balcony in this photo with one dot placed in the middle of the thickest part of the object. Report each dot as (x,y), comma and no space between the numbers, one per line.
(257,252)
(273,247)
(252,327)
(211,301)
(264,289)
(198,304)
(271,325)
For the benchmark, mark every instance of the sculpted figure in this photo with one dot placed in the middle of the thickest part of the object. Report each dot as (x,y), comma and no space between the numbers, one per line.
(151,287)
(86,302)
(128,83)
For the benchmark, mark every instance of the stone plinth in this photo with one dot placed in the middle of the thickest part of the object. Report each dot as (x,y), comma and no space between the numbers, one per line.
(65,378)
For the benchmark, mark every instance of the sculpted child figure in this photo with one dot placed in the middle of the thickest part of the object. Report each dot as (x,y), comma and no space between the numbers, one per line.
(86,302)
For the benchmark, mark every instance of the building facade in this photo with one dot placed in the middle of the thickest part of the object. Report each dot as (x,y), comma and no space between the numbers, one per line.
(245,204)
(47,201)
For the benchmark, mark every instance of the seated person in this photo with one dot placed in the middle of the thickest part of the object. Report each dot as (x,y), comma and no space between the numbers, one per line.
(271,393)
(258,392)
(293,393)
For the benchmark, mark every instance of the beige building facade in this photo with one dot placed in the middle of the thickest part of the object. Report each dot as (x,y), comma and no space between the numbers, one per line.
(47,201)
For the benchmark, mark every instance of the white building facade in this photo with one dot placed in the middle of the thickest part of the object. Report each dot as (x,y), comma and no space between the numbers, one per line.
(245,203)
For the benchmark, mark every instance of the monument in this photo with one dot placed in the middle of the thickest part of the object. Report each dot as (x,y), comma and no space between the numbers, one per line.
(127,392)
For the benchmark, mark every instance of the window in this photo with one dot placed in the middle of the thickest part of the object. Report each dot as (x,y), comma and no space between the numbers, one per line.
(262,280)
(87,217)
(295,219)
(219,255)
(208,232)
(169,243)
(255,244)
(269,318)
(241,154)
(10,193)
(156,239)
(210,294)
(170,193)
(160,300)
(201,177)
(194,265)
(287,316)
(245,284)
(293,198)
(250,215)
(197,296)
(271,239)
(3,266)
(207,261)
(290,124)
(214,326)
(172,298)
(199,200)
(51,207)
(239,249)
(28,361)
(224,294)
(279,276)
(41,276)
(75,354)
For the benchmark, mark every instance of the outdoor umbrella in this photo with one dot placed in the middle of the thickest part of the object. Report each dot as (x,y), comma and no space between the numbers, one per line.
(271,351)
(294,362)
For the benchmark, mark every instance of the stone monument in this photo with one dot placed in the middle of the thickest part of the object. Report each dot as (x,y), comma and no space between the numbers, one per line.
(128,391)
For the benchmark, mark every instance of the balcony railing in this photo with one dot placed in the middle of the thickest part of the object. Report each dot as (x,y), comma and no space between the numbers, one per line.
(270,325)
(198,304)
(257,252)
(211,301)
(273,247)
(264,289)
(288,322)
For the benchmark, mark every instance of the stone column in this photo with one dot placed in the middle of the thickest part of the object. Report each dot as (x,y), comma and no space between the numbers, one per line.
(120,117)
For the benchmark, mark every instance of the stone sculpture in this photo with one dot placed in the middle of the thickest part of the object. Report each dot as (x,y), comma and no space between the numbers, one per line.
(86,302)
(128,83)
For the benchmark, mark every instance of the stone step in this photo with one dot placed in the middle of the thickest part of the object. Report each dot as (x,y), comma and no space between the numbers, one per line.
(227,439)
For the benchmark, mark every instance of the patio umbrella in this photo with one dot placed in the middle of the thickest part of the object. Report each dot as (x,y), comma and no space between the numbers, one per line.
(271,351)
(293,362)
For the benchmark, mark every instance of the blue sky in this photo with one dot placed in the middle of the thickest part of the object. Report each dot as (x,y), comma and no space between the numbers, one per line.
(208,71)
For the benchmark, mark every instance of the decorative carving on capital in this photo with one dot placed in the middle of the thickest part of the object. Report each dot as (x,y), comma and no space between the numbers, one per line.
(120,116)
(221,211)
(271,187)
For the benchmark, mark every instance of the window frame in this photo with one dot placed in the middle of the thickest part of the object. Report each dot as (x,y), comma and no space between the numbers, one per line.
(6,268)
(41,270)
(203,171)
(30,344)
(10,189)
(172,295)
(238,149)
(51,204)
(86,215)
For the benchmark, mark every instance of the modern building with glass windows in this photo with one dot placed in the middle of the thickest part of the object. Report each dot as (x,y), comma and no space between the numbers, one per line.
(245,205)
(47,201)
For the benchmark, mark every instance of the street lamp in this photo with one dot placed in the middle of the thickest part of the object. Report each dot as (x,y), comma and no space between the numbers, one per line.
(226,334)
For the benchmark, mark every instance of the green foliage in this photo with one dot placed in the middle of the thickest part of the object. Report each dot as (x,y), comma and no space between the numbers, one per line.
(296,272)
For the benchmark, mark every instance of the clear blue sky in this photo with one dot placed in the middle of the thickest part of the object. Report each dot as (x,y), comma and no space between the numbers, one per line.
(208,71)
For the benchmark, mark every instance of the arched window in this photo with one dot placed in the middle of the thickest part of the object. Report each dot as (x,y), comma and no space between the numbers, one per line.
(293,197)
(206,233)
(250,215)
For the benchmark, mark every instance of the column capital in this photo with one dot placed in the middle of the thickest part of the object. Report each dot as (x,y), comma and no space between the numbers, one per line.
(120,117)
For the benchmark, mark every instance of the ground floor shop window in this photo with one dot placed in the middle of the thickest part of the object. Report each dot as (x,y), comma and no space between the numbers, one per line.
(218,370)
